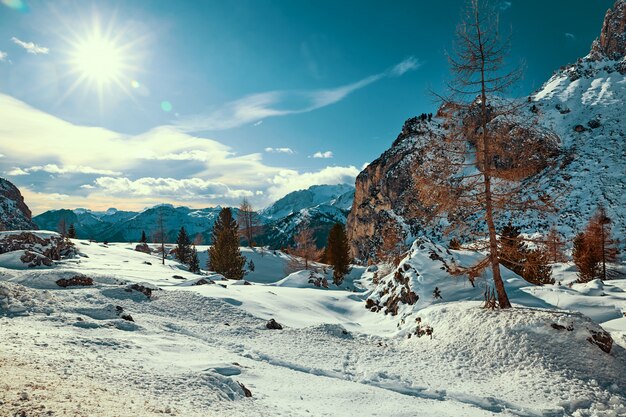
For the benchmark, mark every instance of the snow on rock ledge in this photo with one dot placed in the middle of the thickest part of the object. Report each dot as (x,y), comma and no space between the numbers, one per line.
(31,249)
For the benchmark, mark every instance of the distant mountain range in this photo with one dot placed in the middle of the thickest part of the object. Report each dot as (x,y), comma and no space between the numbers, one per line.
(320,206)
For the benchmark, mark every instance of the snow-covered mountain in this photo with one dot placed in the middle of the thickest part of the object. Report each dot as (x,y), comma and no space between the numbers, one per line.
(582,103)
(14,213)
(321,206)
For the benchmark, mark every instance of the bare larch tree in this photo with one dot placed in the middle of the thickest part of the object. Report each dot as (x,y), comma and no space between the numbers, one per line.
(481,168)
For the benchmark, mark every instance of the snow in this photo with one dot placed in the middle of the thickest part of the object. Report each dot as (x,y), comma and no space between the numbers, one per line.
(189,346)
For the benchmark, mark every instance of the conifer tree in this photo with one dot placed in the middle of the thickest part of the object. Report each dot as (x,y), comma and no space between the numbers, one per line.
(71,232)
(338,252)
(194,264)
(224,255)
(62,227)
(183,246)
(143,239)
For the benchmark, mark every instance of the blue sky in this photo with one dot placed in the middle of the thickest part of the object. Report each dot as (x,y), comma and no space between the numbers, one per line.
(257,97)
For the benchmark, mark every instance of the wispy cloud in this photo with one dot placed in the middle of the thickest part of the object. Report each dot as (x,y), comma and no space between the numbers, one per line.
(570,36)
(89,159)
(31,47)
(505,5)
(66,169)
(322,155)
(259,123)
(3,56)
(256,107)
(280,150)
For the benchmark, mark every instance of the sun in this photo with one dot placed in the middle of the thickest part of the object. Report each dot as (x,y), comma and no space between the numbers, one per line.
(98,60)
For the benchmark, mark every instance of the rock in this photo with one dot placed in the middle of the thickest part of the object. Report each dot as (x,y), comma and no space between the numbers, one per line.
(53,246)
(245,390)
(273,325)
(76,281)
(140,288)
(143,247)
(35,259)
(177,277)
(203,281)
(594,124)
(14,213)
(579,128)
(147,263)
(601,339)
(612,41)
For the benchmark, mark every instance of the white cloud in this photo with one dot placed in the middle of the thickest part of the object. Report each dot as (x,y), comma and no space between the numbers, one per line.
(322,155)
(570,36)
(15,172)
(162,165)
(3,56)
(68,169)
(182,189)
(256,107)
(259,123)
(288,181)
(31,47)
(280,150)
(505,5)
(409,64)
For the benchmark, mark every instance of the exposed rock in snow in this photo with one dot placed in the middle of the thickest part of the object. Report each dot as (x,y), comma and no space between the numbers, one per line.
(612,41)
(14,213)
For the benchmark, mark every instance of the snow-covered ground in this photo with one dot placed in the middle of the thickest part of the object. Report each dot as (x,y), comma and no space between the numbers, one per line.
(70,352)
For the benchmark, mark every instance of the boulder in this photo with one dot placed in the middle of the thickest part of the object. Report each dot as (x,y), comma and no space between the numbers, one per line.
(273,325)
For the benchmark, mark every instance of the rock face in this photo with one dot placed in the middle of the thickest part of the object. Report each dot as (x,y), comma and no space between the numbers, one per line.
(14,213)
(384,193)
(582,104)
(612,41)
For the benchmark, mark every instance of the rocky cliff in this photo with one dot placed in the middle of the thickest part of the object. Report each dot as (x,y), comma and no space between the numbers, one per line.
(582,103)
(14,213)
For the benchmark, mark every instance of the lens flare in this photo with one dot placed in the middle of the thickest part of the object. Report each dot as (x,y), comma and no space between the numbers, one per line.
(166,106)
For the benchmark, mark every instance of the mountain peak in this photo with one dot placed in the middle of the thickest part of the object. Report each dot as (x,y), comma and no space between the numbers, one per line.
(612,41)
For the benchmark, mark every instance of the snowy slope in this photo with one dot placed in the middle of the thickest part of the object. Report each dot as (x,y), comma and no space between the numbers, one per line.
(189,345)
(328,195)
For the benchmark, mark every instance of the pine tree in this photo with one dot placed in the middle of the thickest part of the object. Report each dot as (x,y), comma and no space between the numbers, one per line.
(71,232)
(183,246)
(251,266)
(338,252)
(143,239)
(224,255)
(512,249)
(194,264)
(586,262)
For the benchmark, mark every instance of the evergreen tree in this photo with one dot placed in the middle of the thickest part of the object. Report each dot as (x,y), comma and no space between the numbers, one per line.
(338,253)
(224,255)
(251,266)
(143,239)
(512,249)
(71,232)
(183,246)
(194,264)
